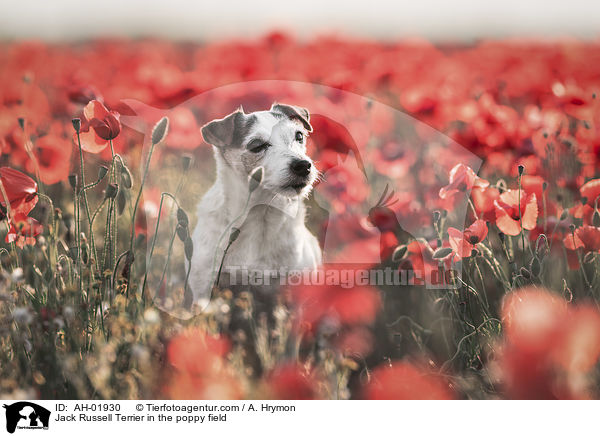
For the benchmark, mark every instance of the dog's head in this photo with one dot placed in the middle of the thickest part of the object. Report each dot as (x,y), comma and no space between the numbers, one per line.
(274,139)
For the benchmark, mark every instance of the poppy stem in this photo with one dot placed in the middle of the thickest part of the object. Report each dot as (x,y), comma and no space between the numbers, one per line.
(114,229)
(155,237)
(136,205)
(226,232)
(83,193)
(521,217)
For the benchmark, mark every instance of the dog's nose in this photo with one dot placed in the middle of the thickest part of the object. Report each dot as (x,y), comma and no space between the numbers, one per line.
(301,167)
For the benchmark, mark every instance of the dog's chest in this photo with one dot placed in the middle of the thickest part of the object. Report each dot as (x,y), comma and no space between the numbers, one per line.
(268,239)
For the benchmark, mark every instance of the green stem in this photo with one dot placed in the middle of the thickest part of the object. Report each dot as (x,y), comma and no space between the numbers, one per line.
(85,200)
(226,232)
(162,197)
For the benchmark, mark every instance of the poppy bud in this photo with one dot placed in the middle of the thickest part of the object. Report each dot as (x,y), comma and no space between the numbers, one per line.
(76,124)
(436,216)
(111,191)
(121,202)
(126,179)
(535,266)
(525,273)
(188,248)
(584,200)
(589,257)
(182,218)
(564,215)
(85,253)
(544,186)
(596,218)
(521,169)
(102,171)
(129,259)
(160,130)
(399,253)
(182,232)
(440,253)
(586,125)
(73,181)
(572,227)
(235,232)
(256,177)
(21,123)
(541,249)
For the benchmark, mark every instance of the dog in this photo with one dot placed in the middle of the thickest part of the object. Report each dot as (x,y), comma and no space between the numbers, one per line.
(271,235)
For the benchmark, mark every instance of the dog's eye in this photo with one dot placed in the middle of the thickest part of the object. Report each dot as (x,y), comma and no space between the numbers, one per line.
(299,136)
(260,148)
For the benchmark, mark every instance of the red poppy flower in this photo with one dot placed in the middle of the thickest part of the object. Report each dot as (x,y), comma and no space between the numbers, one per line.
(403,381)
(548,346)
(345,182)
(199,369)
(23,230)
(419,257)
(463,243)
(290,382)
(331,299)
(511,219)
(98,126)
(21,191)
(184,132)
(393,159)
(104,122)
(483,201)
(530,317)
(586,237)
(83,94)
(590,191)
(53,155)
(462,179)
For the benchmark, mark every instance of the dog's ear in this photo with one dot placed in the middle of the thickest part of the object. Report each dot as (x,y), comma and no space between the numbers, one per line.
(295,112)
(221,132)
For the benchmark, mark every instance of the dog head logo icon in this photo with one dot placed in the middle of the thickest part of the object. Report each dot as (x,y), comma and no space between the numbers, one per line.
(26,415)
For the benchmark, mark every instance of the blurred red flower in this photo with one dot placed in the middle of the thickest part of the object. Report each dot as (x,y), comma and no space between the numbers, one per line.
(548,345)
(291,382)
(403,381)
(53,157)
(184,132)
(590,191)
(335,297)
(199,368)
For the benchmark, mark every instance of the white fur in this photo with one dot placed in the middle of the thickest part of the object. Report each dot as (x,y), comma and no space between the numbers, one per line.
(273,234)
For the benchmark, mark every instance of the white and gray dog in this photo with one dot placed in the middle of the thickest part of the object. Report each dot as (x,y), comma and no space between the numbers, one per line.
(272,233)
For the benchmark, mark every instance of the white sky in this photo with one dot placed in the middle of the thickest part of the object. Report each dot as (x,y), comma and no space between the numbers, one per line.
(208,20)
